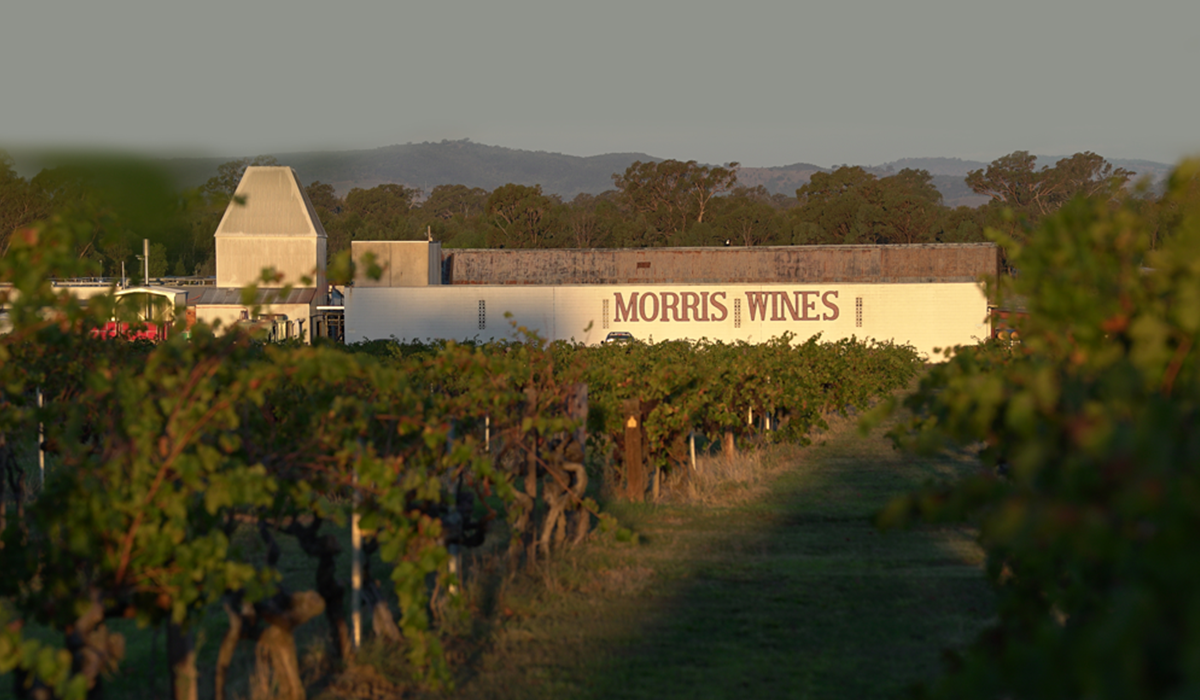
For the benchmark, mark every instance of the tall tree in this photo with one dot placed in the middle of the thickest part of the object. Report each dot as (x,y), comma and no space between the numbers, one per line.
(125,200)
(448,201)
(1015,181)
(382,204)
(851,205)
(670,194)
(747,217)
(522,217)
(20,203)
(960,225)
(585,222)
(836,207)
(910,206)
(323,196)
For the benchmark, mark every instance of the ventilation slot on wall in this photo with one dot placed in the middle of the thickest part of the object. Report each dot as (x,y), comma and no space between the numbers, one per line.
(604,315)
(737,313)
(858,312)
(482,314)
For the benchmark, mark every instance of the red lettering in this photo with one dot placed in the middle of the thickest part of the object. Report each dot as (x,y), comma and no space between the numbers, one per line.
(757,301)
(792,308)
(642,307)
(806,306)
(703,315)
(670,306)
(833,307)
(690,300)
(775,315)
(719,307)
(626,312)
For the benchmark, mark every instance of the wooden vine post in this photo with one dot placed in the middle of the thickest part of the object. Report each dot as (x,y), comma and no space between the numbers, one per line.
(635,471)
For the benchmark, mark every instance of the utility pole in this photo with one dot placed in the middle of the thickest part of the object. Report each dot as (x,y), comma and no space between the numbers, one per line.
(41,440)
(146,275)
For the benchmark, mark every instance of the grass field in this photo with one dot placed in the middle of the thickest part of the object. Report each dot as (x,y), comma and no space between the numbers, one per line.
(774,586)
(765,578)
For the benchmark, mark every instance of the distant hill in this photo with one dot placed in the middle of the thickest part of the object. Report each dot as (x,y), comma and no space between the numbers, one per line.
(426,165)
(783,179)
(948,174)
(936,166)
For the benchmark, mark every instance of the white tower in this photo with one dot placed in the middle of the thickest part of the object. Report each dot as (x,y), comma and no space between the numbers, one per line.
(275,226)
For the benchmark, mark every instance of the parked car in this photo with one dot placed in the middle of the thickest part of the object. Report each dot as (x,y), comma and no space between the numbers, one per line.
(619,337)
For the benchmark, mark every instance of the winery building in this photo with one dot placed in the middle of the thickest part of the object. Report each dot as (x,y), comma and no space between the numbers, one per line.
(929,296)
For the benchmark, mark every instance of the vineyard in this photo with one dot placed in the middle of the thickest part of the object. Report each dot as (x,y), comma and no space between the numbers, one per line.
(1090,505)
(164,461)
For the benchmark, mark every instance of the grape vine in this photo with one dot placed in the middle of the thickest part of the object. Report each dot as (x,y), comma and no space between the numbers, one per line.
(168,456)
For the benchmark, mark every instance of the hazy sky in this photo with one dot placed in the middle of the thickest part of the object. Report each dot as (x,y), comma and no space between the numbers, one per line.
(762,82)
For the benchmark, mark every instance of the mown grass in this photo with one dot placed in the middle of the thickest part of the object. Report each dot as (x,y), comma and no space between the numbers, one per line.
(776,585)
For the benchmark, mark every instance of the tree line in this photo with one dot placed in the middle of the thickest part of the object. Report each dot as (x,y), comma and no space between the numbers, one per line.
(665,203)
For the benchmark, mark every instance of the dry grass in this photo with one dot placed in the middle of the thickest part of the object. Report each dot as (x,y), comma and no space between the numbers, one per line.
(761,577)
(721,480)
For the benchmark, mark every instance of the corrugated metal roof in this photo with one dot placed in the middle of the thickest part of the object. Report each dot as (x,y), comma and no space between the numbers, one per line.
(232,296)
(275,204)
(767,264)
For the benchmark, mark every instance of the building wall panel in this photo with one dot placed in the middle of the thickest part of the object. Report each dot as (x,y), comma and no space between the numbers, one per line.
(755,265)
(403,263)
(927,315)
(240,261)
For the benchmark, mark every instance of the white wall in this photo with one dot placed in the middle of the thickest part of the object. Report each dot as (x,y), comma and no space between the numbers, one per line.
(926,315)
(403,263)
(240,260)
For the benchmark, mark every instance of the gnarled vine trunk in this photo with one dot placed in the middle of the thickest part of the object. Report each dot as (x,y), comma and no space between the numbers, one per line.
(181,660)
(276,667)
(325,549)
(93,648)
(241,622)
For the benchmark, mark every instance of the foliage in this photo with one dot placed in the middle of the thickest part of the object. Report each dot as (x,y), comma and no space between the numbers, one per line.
(655,204)
(1088,423)
(714,387)
(670,195)
(1014,180)
(20,203)
(748,216)
(851,205)
(522,217)
(167,449)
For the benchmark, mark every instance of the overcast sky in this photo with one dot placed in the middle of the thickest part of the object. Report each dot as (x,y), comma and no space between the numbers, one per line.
(763,82)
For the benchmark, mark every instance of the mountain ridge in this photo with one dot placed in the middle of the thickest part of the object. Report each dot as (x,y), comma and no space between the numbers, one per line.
(428,164)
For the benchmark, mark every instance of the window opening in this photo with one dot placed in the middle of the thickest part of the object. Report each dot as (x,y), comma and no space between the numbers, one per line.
(737,313)
(482,314)
(858,312)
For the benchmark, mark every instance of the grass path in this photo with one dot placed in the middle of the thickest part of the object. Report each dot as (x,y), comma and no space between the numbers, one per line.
(790,593)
